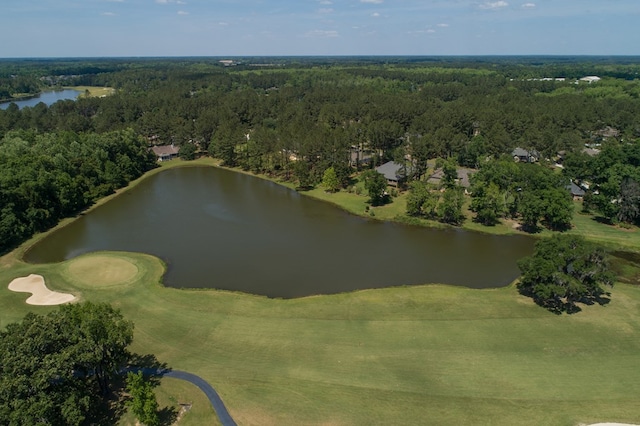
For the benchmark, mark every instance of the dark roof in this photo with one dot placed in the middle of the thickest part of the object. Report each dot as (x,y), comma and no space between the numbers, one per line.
(576,191)
(463,176)
(391,170)
(519,152)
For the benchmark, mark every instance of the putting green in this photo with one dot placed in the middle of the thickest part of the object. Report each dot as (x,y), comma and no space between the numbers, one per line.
(98,270)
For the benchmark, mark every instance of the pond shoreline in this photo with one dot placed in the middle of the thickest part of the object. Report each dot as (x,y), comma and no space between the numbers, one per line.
(296,246)
(21,250)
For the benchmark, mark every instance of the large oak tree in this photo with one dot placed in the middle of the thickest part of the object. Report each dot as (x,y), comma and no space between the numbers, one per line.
(56,368)
(563,271)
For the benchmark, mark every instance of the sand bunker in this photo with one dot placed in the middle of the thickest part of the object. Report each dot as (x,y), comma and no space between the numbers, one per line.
(41,295)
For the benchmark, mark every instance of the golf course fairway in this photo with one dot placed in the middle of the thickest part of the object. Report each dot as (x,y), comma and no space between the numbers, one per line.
(410,355)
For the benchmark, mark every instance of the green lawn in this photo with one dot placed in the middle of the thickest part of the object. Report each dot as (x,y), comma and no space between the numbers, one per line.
(610,235)
(411,355)
(94,91)
(615,237)
(181,401)
(416,355)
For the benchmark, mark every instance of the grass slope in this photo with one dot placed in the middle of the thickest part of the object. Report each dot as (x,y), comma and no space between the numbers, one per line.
(415,355)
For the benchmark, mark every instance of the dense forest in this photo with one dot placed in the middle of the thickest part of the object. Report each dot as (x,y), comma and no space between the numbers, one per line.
(298,117)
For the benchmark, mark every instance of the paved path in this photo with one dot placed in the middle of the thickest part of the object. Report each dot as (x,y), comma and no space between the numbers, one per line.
(209,391)
(218,405)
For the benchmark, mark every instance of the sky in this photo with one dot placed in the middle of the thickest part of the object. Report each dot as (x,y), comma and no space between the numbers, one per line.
(124,28)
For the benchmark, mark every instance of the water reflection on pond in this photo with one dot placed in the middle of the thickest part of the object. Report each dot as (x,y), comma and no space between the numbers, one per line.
(220,229)
(48,98)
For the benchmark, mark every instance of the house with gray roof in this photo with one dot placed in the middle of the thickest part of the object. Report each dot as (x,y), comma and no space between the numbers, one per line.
(165,152)
(520,154)
(394,173)
(462,180)
(576,192)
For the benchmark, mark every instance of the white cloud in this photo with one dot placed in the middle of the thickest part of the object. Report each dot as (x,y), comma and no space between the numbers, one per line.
(108,14)
(223,24)
(443,25)
(427,31)
(182,12)
(528,5)
(375,15)
(326,2)
(322,34)
(325,10)
(494,5)
(372,1)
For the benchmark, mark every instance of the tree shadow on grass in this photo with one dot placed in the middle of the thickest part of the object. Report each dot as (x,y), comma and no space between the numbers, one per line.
(116,406)
(168,416)
(603,220)
(109,411)
(150,367)
(559,306)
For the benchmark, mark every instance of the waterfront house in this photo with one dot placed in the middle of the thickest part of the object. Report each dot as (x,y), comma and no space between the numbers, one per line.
(165,152)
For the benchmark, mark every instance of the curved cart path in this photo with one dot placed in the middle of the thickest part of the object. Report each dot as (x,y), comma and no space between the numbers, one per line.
(209,391)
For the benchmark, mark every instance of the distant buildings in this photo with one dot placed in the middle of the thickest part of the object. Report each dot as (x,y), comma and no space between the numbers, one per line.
(590,79)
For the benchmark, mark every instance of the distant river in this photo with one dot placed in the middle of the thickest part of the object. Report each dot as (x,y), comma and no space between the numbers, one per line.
(221,229)
(47,97)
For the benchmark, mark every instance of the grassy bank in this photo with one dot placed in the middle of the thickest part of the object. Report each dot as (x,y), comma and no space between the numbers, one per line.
(416,355)
(587,225)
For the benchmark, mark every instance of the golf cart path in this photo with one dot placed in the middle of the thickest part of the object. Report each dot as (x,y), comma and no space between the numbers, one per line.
(209,391)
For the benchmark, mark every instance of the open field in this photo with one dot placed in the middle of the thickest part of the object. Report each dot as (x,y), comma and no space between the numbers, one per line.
(417,355)
(95,92)
(411,355)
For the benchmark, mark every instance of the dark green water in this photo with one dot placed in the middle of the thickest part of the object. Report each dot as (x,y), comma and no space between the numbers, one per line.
(220,229)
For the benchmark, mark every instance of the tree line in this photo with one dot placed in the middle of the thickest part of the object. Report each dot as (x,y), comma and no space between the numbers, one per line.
(297,118)
(45,177)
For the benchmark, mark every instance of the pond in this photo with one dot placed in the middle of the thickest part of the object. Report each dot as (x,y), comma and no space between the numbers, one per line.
(221,229)
(48,98)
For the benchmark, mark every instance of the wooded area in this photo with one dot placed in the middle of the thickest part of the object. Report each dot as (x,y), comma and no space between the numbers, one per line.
(57,368)
(296,118)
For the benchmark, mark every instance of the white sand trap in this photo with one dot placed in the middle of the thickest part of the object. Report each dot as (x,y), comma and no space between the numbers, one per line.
(40,294)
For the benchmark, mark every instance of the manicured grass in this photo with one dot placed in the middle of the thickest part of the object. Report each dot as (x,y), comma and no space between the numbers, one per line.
(614,236)
(415,355)
(101,271)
